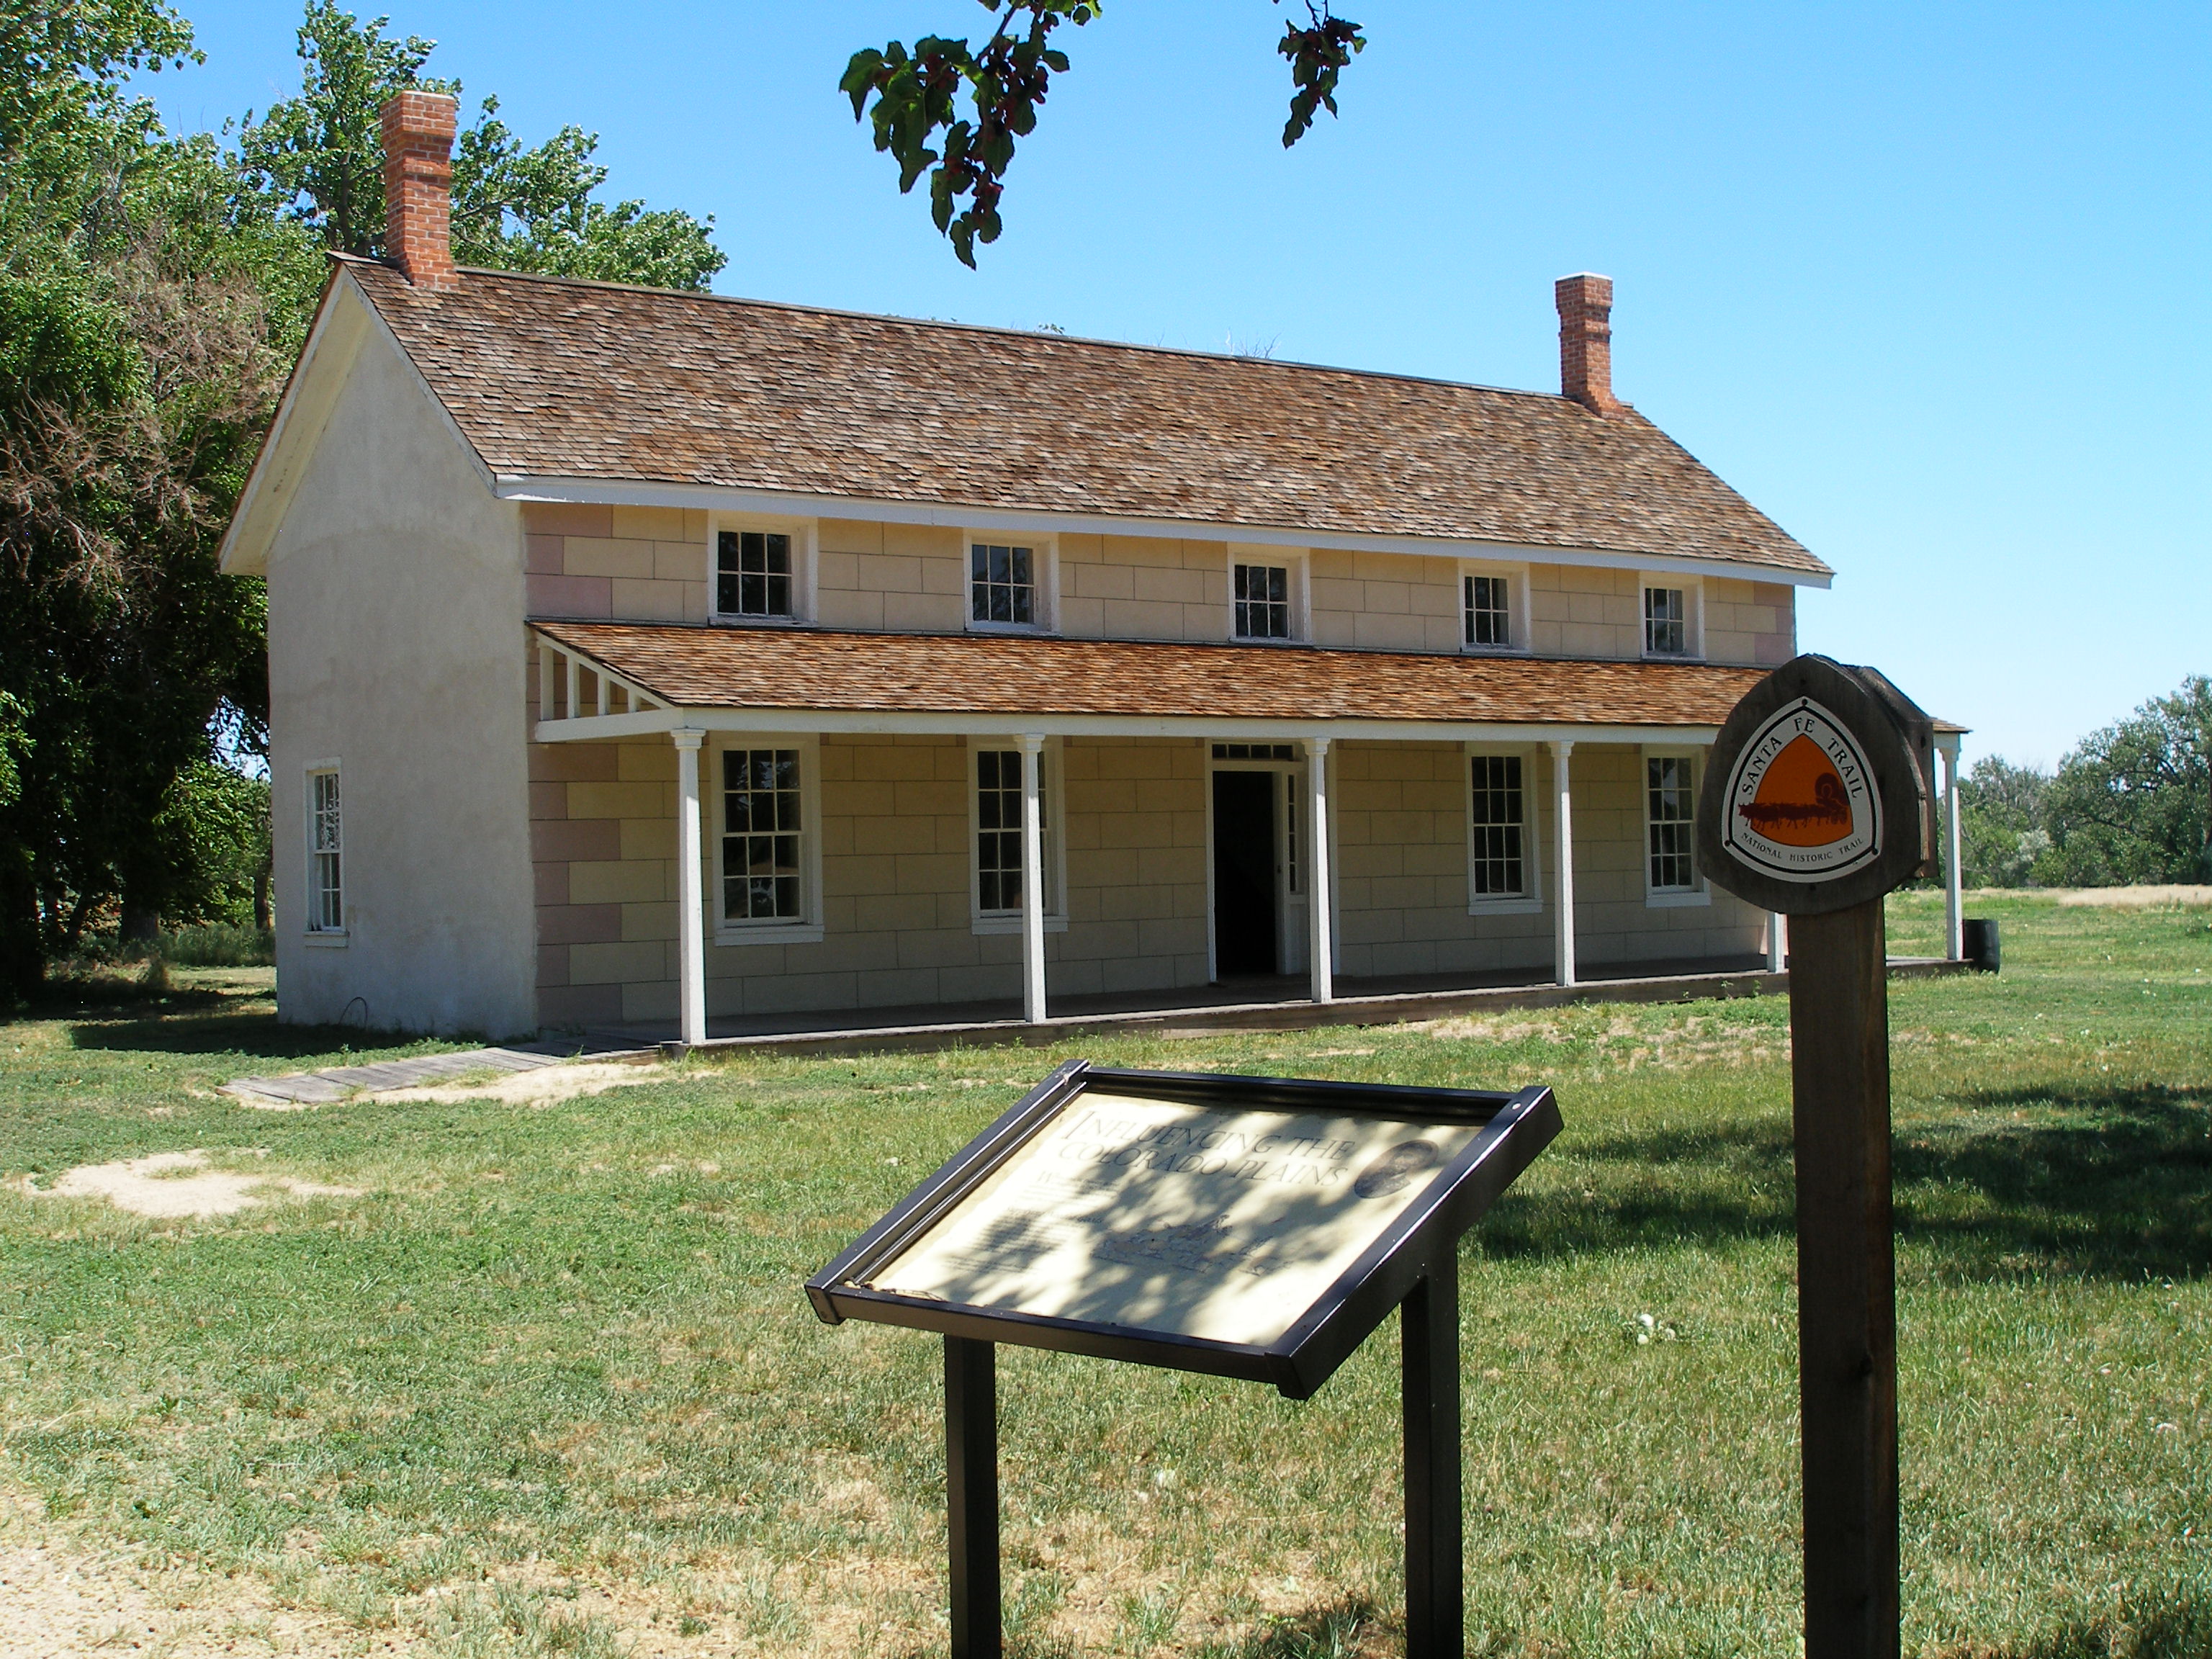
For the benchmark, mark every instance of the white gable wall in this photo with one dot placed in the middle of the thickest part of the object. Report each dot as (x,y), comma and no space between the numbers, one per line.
(396,650)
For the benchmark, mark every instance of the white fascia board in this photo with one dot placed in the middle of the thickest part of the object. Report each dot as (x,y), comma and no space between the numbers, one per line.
(848,722)
(715,497)
(333,345)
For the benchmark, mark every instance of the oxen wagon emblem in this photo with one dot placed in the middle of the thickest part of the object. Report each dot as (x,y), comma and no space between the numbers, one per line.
(1803,807)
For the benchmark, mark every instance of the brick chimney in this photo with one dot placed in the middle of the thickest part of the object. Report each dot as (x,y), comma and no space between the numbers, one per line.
(1586,340)
(418,186)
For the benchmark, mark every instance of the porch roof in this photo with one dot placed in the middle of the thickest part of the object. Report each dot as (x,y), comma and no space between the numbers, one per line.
(1002,677)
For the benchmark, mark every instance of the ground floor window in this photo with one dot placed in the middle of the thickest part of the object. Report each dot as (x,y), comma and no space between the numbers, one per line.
(763,832)
(326,851)
(1670,823)
(999,830)
(1498,818)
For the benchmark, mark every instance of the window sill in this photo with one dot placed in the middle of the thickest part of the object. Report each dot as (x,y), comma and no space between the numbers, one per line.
(719,619)
(1678,901)
(1268,638)
(1493,651)
(327,938)
(1036,629)
(1505,906)
(794,932)
(986,926)
(1674,656)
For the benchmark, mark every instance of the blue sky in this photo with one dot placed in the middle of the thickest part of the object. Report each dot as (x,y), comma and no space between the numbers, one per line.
(1928,284)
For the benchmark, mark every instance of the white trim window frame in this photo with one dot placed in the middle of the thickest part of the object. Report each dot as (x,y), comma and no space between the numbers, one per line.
(753,540)
(324,905)
(1253,600)
(1490,773)
(787,855)
(1007,835)
(1671,630)
(1504,608)
(992,564)
(1667,779)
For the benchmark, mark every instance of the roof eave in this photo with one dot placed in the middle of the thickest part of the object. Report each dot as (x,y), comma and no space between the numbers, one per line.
(646,492)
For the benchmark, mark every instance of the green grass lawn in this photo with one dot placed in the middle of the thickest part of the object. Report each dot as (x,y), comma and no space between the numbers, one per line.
(549,1382)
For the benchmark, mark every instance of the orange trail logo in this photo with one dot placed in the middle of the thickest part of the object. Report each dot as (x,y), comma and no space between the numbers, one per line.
(1801,801)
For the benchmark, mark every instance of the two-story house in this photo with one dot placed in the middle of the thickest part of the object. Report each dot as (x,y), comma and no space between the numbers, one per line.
(643,657)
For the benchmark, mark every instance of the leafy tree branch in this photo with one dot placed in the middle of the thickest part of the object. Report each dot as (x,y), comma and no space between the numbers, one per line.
(919,120)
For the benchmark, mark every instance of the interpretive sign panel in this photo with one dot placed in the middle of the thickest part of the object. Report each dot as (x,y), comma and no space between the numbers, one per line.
(1246,1226)
(1164,1215)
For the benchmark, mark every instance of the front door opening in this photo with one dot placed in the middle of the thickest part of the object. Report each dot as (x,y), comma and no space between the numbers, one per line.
(1243,874)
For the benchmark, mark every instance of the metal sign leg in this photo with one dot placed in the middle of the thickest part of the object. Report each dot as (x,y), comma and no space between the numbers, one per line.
(971,1493)
(1428,1335)
(1846,1282)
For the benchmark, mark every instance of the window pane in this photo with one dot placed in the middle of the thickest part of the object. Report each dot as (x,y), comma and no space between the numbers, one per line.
(1670,813)
(761,843)
(1498,866)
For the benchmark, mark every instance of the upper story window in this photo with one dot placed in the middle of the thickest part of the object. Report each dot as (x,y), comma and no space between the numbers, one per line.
(763,827)
(753,574)
(1667,622)
(1488,612)
(1002,585)
(761,571)
(1670,823)
(325,850)
(1262,594)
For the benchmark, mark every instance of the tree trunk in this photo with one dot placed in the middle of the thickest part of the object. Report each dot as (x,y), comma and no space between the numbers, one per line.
(141,924)
(263,922)
(23,959)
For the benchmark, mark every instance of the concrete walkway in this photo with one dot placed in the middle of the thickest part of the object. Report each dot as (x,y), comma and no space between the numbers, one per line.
(336,1083)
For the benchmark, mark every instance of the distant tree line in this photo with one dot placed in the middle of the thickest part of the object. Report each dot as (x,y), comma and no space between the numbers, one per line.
(2131,804)
(154,288)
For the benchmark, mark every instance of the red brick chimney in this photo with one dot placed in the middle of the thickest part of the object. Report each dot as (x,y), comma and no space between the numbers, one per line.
(418,186)
(1586,340)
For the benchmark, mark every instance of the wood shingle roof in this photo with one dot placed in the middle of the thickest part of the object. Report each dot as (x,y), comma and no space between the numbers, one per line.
(694,666)
(552,378)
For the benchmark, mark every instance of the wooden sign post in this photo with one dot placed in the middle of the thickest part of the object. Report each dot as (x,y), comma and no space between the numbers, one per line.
(1816,804)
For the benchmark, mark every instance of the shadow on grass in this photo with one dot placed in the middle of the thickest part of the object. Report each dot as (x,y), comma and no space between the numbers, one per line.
(226,1032)
(2114,1183)
(1343,1630)
(2171,1622)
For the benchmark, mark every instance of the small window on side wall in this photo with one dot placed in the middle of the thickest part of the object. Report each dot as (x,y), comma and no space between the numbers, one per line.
(326,852)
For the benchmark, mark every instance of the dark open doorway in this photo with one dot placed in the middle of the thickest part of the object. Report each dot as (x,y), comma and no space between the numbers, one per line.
(1243,874)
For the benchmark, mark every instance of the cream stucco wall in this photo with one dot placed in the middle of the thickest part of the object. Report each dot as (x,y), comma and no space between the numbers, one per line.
(395,608)
(650,564)
(894,901)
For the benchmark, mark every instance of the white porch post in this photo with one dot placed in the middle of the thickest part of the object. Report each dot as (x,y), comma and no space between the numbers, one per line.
(1320,880)
(691,899)
(1955,921)
(1032,879)
(1563,922)
(1778,942)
